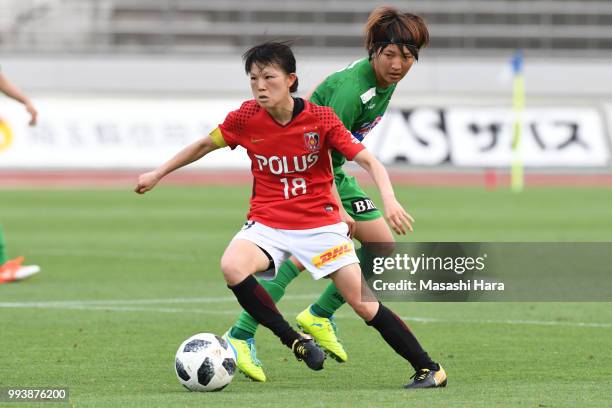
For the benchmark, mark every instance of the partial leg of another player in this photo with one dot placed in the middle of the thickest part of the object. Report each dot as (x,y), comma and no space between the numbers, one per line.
(13,270)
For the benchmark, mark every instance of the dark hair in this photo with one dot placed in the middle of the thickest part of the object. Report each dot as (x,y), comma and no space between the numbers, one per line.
(272,52)
(387,25)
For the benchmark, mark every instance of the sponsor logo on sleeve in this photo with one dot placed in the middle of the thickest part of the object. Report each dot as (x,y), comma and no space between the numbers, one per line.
(363,205)
(365,128)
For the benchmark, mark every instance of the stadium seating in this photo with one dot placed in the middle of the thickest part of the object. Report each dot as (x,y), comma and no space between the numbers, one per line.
(481,27)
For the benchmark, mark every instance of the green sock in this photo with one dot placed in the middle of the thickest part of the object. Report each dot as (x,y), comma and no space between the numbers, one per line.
(331,300)
(2,247)
(240,334)
(246,326)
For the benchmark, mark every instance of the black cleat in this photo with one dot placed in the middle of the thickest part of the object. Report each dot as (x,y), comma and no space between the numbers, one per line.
(425,378)
(307,350)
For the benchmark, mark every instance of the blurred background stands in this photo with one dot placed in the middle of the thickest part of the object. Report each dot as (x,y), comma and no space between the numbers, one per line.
(322,27)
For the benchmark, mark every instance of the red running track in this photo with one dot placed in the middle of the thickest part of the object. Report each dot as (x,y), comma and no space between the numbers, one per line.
(127,179)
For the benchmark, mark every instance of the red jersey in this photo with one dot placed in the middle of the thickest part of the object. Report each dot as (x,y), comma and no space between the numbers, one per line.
(291,167)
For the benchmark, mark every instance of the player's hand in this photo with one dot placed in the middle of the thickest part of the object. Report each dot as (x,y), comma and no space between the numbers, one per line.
(146,182)
(33,113)
(399,220)
(346,218)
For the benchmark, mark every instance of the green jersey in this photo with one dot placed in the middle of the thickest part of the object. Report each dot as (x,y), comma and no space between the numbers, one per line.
(354,96)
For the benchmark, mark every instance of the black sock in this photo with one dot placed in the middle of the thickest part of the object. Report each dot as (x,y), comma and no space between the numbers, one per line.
(257,302)
(400,338)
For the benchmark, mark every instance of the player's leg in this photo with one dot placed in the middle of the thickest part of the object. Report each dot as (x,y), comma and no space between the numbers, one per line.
(242,259)
(242,334)
(13,270)
(317,319)
(2,248)
(245,327)
(367,231)
(394,331)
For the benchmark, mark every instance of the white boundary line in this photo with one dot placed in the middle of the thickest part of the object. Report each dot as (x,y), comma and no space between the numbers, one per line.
(125,306)
(109,302)
(188,257)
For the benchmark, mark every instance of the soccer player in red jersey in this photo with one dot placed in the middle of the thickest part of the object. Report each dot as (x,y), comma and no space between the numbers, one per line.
(359,95)
(293,210)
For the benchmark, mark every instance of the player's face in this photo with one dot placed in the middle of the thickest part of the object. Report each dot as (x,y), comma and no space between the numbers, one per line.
(270,84)
(391,65)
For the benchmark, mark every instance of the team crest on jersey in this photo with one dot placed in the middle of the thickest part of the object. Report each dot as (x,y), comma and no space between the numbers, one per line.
(311,140)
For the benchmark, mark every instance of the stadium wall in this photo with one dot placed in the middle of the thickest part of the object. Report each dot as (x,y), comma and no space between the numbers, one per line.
(101,113)
(431,78)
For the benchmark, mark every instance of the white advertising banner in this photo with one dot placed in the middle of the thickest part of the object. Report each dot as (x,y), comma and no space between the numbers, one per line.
(559,137)
(482,137)
(142,133)
(415,137)
(608,112)
(109,133)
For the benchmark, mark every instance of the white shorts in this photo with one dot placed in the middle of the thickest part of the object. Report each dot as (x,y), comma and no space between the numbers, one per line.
(321,250)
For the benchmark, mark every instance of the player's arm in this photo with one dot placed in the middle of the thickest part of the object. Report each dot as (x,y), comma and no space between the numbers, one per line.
(10,90)
(342,140)
(344,216)
(395,214)
(189,154)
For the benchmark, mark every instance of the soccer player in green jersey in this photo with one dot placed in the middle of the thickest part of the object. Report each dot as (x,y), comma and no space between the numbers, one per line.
(360,95)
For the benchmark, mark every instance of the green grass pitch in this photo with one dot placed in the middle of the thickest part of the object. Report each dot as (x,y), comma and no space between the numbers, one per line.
(125,279)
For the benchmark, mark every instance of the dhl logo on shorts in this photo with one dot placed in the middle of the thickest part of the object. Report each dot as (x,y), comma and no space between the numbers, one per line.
(332,254)
(6,135)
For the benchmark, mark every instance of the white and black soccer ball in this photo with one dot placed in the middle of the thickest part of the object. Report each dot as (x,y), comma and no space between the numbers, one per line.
(205,362)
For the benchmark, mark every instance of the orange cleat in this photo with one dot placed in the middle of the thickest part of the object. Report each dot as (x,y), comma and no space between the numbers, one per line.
(12,270)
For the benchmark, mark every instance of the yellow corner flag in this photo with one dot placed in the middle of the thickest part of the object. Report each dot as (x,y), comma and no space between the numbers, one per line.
(518,105)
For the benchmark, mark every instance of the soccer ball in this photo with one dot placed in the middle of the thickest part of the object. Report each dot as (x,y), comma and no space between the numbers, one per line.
(205,362)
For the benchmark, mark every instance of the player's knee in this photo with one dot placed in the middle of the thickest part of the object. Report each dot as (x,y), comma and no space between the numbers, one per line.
(232,272)
(365,310)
